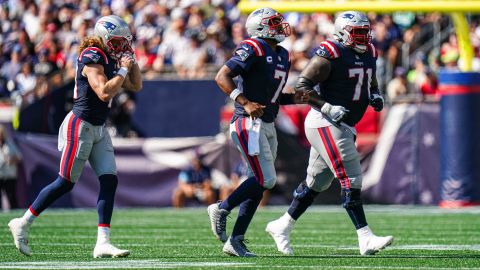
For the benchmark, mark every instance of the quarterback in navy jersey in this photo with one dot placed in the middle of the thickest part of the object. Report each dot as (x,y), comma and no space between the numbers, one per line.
(105,65)
(261,68)
(344,71)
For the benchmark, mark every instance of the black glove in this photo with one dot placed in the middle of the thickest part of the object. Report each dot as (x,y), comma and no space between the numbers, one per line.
(376,101)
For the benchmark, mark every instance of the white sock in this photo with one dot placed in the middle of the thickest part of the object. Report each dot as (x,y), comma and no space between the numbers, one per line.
(287,218)
(29,217)
(103,235)
(364,232)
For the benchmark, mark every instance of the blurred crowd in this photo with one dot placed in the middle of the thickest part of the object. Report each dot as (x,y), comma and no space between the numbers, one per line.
(193,38)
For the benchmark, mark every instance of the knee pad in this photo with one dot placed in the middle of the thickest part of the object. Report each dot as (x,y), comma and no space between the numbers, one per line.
(304,193)
(351,198)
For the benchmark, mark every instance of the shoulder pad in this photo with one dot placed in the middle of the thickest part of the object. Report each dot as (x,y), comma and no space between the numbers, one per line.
(93,55)
(284,51)
(328,49)
(255,45)
(372,50)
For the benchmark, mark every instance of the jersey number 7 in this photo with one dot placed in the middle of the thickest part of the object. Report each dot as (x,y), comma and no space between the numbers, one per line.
(360,73)
(279,75)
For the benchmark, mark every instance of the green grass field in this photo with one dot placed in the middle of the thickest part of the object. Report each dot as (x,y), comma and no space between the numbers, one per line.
(425,238)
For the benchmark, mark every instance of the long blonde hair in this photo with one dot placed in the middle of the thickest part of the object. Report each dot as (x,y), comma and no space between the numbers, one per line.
(92,41)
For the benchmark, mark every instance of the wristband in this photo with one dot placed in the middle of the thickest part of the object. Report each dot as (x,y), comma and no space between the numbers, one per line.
(122,72)
(235,93)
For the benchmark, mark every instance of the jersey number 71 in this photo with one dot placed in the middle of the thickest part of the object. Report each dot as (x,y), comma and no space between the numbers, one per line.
(360,73)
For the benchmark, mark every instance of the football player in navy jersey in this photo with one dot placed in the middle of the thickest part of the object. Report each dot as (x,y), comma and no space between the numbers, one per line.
(261,68)
(344,69)
(105,65)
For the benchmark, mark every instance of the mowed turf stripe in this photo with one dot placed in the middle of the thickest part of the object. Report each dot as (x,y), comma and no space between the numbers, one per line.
(152,264)
(115,264)
(393,247)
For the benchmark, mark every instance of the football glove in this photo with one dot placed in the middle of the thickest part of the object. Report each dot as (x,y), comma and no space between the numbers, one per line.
(336,113)
(376,101)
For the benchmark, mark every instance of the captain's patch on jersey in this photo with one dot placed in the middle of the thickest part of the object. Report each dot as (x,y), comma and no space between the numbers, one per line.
(92,55)
(242,54)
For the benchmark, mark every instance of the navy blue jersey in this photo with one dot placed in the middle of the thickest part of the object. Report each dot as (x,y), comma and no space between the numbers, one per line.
(86,103)
(348,84)
(192,176)
(262,74)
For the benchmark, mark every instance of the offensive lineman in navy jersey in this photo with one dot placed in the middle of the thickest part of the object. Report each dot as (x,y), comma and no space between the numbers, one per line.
(344,69)
(261,68)
(105,65)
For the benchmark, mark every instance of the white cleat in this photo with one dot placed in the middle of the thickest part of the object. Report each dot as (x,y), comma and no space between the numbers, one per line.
(108,250)
(373,244)
(235,246)
(19,229)
(280,232)
(218,221)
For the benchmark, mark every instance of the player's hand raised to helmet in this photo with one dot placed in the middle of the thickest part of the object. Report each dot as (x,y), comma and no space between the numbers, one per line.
(254,109)
(130,55)
(126,61)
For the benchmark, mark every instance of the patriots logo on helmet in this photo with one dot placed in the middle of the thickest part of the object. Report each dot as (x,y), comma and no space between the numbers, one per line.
(108,25)
(348,16)
(260,11)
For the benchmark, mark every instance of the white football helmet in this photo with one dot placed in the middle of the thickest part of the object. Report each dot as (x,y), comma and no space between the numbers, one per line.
(352,28)
(115,34)
(268,24)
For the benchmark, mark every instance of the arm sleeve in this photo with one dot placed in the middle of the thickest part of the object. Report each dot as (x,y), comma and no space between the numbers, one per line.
(374,84)
(286,99)
(242,59)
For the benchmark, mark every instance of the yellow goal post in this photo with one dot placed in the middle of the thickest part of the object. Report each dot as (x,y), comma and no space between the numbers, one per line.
(456,9)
